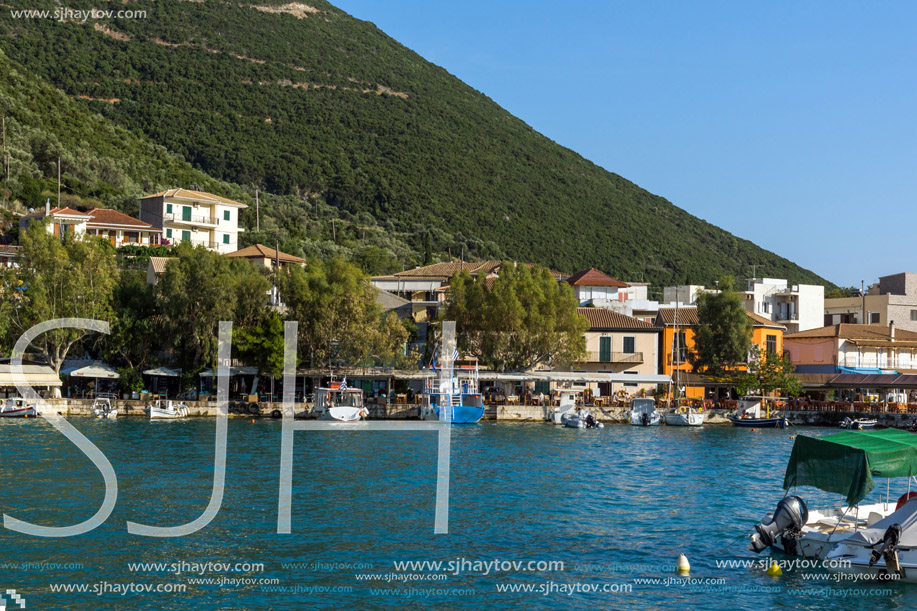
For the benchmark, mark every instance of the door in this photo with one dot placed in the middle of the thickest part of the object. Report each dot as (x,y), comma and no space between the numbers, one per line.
(185,213)
(604,349)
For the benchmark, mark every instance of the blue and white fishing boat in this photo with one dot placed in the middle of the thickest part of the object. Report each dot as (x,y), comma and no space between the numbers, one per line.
(748,415)
(447,398)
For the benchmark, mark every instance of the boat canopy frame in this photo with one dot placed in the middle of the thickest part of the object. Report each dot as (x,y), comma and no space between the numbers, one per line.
(847,462)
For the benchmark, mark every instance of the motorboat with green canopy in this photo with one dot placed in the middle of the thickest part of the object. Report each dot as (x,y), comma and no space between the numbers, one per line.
(846,463)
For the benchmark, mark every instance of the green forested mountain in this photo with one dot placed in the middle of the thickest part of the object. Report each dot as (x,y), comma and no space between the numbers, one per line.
(337,121)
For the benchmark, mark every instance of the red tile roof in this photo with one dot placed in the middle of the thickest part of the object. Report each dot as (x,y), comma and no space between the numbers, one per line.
(593,277)
(600,318)
(260,251)
(106,217)
(855,332)
(447,269)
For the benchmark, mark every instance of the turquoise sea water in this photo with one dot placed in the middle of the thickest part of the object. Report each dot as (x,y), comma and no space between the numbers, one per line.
(615,506)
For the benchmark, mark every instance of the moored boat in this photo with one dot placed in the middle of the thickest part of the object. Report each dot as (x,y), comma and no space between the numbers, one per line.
(446,398)
(569,399)
(858,424)
(748,415)
(643,413)
(581,418)
(340,402)
(843,463)
(684,416)
(164,409)
(102,407)
(17,407)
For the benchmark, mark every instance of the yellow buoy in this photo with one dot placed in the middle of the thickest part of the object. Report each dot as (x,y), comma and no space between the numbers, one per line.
(683,565)
(774,570)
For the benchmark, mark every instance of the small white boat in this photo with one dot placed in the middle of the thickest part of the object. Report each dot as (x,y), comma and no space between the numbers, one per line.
(844,463)
(885,551)
(581,419)
(568,402)
(684,416)
(17,407)
(643,413)
(167,410)
(858,424)
(340,403)
(102,407)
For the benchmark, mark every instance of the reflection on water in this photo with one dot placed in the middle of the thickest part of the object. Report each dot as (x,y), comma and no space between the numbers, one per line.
(614,505)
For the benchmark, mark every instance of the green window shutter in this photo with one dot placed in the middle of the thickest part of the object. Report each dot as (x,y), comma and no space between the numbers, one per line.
(226,215)
(185,236)
(544,387)
(168,208)
(225,238)
(629,345)
(605,349)
(186,213)
(169,233)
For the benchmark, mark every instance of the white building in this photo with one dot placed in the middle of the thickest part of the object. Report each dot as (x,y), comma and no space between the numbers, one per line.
(62,221)
(799,307)
(8,254)
(195,217)
(685,294)
(116,227)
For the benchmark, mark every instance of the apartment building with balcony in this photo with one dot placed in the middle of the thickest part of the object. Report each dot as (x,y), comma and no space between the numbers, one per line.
(616,343)
(892,300)
(798,307)
(195,217)
(853,348)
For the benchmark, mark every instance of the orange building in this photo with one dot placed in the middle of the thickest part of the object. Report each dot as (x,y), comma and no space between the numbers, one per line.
(766,334)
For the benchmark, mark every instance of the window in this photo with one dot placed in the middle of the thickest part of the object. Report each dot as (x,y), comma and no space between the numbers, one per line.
(168,208)
(681,349)
(605,349)
(913,314)
(772,344)
(225,238)
(629,345)
(631,384)
(169,233)
(186,213)
(225,215)
(133,237)
(819,356)
(874,318)
(186,236)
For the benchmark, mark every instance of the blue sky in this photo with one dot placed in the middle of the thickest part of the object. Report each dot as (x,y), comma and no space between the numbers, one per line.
(789,124)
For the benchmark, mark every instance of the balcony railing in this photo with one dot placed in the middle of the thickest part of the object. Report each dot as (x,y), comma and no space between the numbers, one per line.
(194,219)
(614,357)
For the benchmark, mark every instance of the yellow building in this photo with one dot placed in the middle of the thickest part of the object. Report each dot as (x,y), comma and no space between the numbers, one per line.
(766,335)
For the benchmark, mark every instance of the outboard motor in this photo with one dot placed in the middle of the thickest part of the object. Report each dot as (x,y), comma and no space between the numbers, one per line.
(789,518)
(645,419)
(590,421)
(888,548)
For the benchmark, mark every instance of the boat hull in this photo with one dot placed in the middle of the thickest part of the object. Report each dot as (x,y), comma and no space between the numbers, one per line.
(759,423)
(343,414)
(25,412)
(461,414)
(103,415)
(678,419)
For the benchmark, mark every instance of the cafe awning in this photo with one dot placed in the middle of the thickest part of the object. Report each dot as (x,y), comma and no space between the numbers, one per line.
(33,374)
(233,371)
(89,369)
(163,372)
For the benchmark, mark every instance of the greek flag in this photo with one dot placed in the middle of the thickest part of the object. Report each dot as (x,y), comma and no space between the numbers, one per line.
(344,383)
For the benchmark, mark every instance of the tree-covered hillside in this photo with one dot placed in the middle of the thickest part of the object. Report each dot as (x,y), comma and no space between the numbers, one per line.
(304,101)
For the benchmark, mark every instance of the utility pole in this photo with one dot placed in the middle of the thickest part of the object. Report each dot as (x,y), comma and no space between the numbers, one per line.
(863,320)
(257,212)
(6,165)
